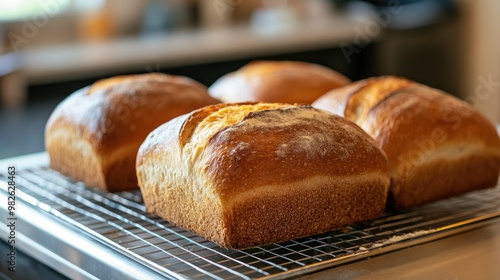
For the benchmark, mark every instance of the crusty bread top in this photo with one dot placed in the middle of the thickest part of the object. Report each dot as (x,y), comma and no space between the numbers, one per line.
(121,110)
(277,81)
(242,147)
(409,120)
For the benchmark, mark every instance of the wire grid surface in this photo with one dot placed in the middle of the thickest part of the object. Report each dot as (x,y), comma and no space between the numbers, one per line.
(121,222)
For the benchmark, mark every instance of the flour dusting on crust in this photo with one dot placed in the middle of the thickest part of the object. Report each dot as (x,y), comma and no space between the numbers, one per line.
(314,132)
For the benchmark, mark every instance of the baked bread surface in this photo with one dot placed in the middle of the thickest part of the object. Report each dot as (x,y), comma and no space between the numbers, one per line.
(277,81)
(94,134)
(437,145)
(251,174)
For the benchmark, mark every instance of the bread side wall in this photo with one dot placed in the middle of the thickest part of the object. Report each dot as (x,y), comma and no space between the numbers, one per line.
(275,213)
(74,157)
(175,188)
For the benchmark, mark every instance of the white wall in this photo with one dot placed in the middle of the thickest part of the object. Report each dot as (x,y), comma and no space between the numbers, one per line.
(482,56)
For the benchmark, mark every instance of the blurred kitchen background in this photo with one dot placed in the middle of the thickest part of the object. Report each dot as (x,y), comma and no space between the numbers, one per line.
(50,48)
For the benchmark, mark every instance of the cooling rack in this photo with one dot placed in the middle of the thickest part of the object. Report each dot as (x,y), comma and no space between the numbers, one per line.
(119,222)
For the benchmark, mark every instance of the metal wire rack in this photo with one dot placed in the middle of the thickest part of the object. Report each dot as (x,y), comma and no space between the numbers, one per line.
(120,221)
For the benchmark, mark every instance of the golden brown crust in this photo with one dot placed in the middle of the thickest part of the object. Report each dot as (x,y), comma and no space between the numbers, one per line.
(415,188)
(277,81)
(250,154)
(110,119)
(430,138)
(272,173)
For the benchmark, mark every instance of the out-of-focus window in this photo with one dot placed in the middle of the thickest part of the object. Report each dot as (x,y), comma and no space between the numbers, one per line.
(22,9)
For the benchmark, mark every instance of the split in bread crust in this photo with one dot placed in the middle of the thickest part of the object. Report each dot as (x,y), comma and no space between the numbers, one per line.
(94,134)
(437,145)
(251,174)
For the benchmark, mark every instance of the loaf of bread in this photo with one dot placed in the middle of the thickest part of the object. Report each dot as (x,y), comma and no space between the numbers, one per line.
(251,174)
(437,145)
(277,81)
(94,134)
